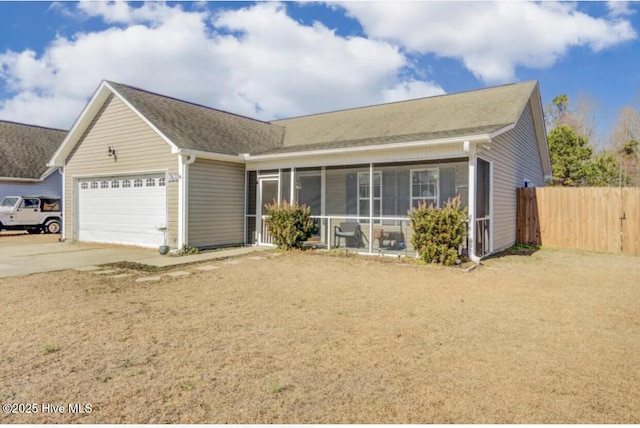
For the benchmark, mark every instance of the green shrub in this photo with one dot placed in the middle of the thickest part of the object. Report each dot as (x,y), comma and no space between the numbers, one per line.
(438,232)
(187,251)
(290,224)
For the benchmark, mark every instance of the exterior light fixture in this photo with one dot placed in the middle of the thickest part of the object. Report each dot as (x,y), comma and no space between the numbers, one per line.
(112,152)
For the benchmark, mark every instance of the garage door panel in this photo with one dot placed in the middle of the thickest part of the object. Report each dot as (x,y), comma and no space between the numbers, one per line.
(120,214)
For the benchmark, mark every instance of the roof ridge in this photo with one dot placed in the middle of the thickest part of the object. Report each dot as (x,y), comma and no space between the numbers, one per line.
(135,88)
(404,101)
(33,126)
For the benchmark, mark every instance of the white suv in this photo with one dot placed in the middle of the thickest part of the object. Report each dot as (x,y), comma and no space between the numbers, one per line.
(31,213)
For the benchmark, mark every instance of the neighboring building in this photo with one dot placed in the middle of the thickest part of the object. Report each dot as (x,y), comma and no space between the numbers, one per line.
(145,169)
(24,153)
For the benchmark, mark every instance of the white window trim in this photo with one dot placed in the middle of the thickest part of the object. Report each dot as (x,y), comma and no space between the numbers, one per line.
(379,198)
(436,169)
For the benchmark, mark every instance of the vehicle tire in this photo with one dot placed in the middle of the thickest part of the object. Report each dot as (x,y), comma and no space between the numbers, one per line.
(52,226)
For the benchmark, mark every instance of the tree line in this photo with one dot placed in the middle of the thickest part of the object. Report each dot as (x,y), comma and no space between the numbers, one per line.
(574,160)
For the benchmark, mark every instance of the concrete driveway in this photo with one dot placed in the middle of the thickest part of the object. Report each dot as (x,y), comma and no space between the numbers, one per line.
(26,254)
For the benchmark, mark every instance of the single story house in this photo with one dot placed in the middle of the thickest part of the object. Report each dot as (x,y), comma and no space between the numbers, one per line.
(25,151)
(146,169)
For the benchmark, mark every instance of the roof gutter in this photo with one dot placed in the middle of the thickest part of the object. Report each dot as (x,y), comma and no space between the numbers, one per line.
(23,180)
(50,171)
(481,138)
(501,131)
(239,158)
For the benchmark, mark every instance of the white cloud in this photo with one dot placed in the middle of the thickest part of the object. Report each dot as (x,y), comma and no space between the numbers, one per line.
(255,61)
(121,12)
(57,111)
(410,89)
(619,8)
(490,38)
(311,67)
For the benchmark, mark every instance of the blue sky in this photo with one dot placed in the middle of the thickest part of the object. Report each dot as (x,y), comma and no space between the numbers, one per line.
(273,60)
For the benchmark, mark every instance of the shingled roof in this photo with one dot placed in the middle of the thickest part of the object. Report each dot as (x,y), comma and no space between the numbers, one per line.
(25,149)
(482,111)
(196,127)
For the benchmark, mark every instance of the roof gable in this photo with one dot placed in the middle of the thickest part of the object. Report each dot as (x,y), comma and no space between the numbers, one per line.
(25,149)
(183,125)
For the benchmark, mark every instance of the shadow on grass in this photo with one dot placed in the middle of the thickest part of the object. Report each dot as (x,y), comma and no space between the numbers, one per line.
(517,250)
(137,267)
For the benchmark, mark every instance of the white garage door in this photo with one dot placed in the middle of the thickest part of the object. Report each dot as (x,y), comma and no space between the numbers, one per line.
(123,210)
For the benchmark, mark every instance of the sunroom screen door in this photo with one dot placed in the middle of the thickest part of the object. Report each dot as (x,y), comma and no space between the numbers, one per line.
(483,188)
(267,194)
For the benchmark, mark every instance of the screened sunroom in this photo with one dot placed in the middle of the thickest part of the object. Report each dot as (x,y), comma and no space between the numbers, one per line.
(362,207)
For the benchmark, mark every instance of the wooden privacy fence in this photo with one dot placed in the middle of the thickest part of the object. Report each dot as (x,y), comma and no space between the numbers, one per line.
(587,218)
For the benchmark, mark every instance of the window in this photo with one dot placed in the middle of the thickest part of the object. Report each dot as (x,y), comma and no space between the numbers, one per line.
(126,183)
(137,182)
(308,189)
(365,192)
(84,185)
(161,182)
(8,202)
(115,184)
(285,185)
(424,186)
(151,182)
(104,185)
(31,203)
(94,184)
(50,204)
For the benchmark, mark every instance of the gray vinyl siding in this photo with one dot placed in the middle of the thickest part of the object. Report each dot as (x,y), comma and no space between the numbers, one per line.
(50,186)
(215,204)
(336,192)
(515,156)
(139,150)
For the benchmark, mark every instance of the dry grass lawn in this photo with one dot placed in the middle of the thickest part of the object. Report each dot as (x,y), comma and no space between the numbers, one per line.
(302,338)
(11,238)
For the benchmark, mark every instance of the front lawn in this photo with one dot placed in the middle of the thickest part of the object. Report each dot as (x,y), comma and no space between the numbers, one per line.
(552,337)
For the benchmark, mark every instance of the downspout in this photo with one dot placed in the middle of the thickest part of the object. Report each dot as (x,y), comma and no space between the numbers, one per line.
(63,235)
(323,201)
(183,198)
(244,209)
(470,151)
(243,156)
(371,205)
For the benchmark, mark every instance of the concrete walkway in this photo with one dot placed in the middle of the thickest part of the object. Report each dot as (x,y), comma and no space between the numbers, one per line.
(225,258)
(49,257)
(164,261)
